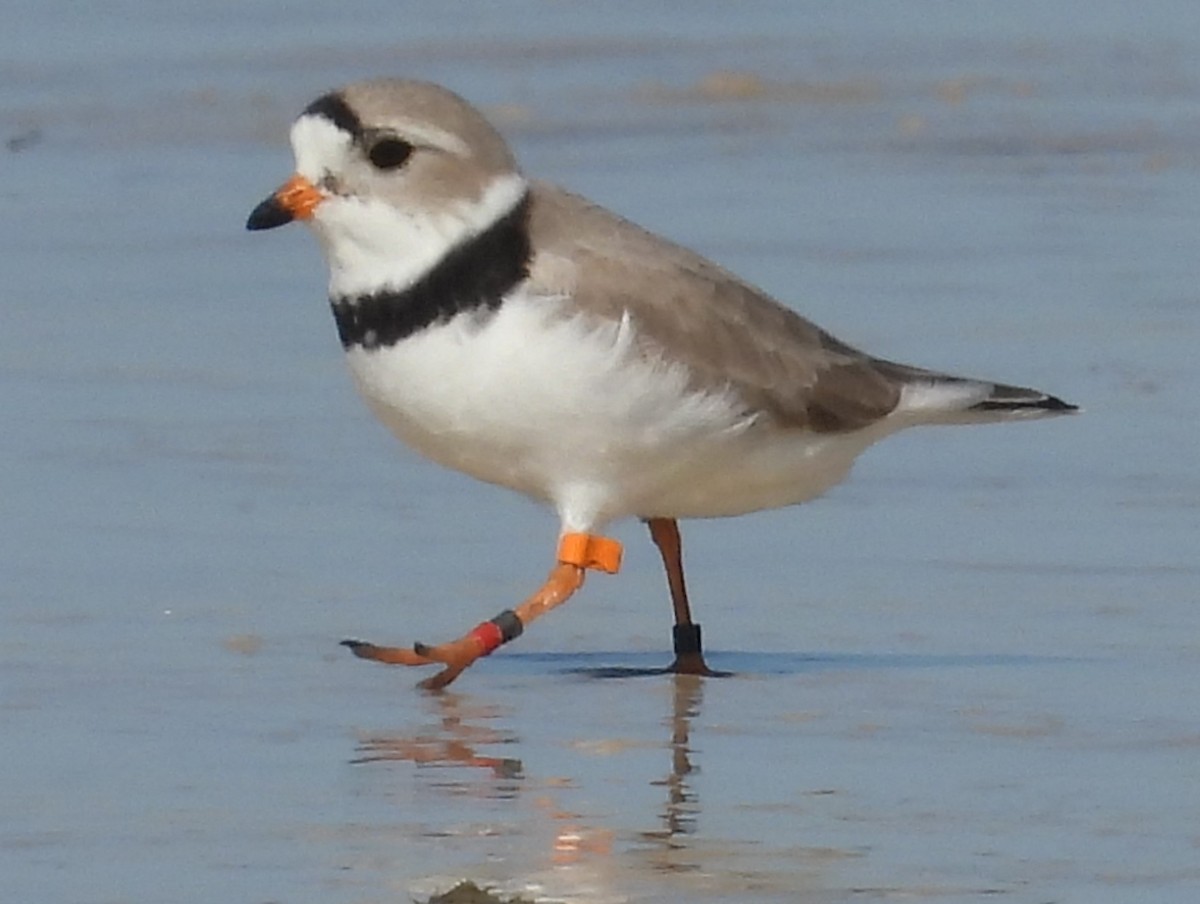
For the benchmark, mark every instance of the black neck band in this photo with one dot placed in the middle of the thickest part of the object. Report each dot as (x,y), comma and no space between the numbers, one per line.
(474,276)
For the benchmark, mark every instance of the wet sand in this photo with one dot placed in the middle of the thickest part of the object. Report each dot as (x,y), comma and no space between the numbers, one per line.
(965,674)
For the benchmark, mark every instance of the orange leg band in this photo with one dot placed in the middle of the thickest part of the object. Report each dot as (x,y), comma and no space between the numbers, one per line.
(590,551)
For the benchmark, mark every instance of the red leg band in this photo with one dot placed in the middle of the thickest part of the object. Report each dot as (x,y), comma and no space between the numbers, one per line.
(489,635)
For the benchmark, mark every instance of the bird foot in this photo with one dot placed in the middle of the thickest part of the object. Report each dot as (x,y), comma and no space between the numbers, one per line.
(689,653)
(693,664)
(456,656)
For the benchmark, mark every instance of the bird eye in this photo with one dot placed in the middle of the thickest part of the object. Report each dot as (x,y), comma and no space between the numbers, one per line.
(389,153)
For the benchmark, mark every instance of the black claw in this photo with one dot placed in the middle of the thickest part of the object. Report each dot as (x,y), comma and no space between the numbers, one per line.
(354,644)
(421,649)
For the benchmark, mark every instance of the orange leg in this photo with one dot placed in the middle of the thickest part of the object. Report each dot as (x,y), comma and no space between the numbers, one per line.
(576,553)
(689,656)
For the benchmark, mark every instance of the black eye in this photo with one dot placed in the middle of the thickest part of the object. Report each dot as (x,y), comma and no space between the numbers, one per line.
(389,153)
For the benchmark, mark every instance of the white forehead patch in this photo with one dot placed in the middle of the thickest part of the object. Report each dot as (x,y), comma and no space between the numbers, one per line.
(319,146)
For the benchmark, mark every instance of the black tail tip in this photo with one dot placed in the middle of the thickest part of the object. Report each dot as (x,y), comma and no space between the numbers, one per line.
(1047,404)
(1053,403)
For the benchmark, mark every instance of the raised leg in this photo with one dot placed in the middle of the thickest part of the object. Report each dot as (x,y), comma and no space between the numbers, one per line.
(689,654)
(576,552)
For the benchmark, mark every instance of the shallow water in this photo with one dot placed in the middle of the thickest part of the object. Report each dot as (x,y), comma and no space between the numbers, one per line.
(967,673)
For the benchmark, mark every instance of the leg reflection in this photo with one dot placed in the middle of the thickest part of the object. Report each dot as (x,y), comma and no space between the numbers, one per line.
(679,815)
(451,741)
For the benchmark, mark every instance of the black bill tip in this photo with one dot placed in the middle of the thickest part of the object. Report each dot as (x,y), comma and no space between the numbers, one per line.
(269,214)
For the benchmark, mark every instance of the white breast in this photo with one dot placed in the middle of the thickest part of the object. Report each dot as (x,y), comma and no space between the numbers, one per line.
(571,412)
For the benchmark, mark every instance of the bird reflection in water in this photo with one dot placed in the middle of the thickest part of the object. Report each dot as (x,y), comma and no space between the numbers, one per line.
(679,814)
(452,741)
(464,736)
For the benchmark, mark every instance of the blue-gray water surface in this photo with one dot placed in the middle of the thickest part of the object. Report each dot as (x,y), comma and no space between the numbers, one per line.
(968,673)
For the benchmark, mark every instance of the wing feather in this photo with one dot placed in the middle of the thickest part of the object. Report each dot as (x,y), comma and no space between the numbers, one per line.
(728,334)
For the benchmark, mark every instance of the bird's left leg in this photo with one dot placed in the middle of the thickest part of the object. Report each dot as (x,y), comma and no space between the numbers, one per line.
(576,554)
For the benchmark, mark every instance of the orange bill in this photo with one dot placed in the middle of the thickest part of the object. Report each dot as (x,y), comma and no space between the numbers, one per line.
(296,199)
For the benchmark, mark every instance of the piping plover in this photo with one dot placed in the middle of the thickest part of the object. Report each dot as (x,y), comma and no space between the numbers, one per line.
(519,333)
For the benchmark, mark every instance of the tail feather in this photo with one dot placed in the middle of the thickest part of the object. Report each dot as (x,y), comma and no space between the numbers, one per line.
(932,397)
(1019,400)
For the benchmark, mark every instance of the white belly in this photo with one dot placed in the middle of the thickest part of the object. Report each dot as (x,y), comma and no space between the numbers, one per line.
(572,414)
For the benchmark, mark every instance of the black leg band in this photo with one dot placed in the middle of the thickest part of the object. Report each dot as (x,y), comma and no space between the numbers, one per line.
(687,639)
(509,624)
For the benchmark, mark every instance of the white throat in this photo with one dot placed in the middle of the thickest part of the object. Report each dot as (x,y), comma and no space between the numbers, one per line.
(373,245)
